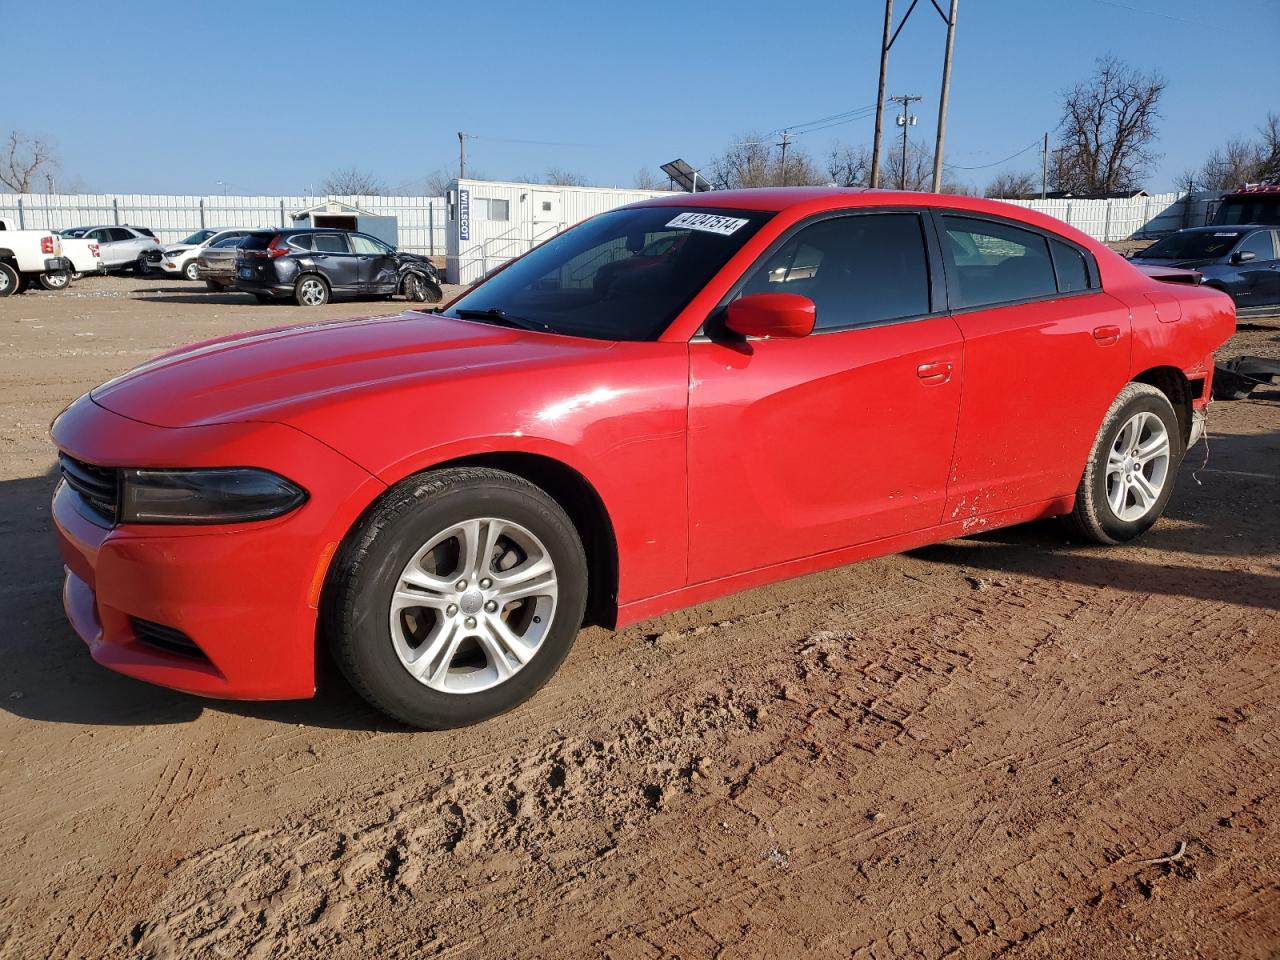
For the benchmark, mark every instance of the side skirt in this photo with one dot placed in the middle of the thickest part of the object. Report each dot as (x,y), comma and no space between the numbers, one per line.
(712,589)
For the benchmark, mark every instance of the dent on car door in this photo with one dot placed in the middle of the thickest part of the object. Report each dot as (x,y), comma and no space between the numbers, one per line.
(379,268)
(800,446)
(1046,352)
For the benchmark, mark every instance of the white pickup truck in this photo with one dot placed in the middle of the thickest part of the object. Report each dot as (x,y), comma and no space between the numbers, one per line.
(30,255)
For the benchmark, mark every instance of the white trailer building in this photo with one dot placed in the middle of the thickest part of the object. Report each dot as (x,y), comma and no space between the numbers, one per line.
(491,222)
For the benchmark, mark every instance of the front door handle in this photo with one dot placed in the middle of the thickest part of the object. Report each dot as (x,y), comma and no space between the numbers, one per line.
(1106,335)
(935,373)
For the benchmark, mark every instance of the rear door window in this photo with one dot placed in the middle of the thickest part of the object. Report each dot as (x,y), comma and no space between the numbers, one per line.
(330,243)
(301,241)
(858,270)
(998,263)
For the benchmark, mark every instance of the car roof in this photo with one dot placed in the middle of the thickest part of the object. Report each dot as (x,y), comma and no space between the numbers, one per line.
(799,202)
(1227,228)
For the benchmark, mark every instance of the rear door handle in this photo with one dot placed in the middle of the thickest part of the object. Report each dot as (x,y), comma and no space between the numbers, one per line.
(934,373)
(1106,335)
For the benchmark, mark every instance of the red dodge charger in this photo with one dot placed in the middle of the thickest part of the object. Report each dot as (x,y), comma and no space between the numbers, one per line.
(802,379)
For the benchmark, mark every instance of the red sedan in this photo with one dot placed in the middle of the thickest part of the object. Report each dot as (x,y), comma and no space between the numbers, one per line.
(807,378)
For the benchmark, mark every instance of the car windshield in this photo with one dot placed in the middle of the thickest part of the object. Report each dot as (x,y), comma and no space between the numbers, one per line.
(200,236)
(1201,245)
(602,279)
(1261,208)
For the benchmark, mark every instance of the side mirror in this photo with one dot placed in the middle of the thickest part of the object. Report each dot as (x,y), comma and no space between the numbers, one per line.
(781,315)
(1243,256)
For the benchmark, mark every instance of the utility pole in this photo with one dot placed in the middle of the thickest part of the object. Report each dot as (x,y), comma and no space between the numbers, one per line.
(946,93)
(462,155)
(784,143)
(905,120)
(884,72)
(1044,167)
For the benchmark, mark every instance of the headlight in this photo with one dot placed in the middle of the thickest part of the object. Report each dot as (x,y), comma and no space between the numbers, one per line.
(216,495)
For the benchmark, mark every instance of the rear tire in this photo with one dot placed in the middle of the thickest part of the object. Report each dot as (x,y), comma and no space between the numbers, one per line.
(8,280)
(1130,474)
(142,267)
(311,290)
(55,281)
(474,647)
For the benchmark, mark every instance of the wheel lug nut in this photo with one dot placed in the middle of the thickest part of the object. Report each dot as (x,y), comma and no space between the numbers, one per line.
(462,585)
(471,622)
(491,606)
(451,610)
(486,583)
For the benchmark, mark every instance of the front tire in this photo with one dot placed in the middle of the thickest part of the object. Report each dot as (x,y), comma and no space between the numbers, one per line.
(418,289)
(457,598)
(1129,477)
(191,271)
(311,291)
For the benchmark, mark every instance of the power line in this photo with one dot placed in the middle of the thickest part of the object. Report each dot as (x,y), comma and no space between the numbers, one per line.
(984,166)
(1146,13)
(540,143)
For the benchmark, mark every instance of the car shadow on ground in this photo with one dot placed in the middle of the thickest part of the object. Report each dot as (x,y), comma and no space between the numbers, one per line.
(49,675)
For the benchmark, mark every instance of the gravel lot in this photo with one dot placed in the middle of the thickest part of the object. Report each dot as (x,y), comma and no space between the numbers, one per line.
(979,748)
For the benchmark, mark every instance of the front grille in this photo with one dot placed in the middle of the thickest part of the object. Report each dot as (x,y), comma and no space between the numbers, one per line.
(168,639)
(98,487)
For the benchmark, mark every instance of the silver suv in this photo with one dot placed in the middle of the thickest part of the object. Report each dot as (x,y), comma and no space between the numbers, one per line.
(122,247)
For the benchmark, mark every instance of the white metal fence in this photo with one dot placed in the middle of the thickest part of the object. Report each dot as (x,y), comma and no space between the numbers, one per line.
(420,220)
(1136,218)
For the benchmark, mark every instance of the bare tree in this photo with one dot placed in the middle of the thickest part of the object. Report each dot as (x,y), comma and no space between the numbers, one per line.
(436,183)
(353,183)
(559,177)
(1013,185)
(646,179)
(919,168)
(1239,161)
(1108,129)
(849,166)
(26,162)
(753,161)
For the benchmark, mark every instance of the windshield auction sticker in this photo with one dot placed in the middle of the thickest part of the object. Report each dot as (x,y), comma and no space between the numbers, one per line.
(708,223)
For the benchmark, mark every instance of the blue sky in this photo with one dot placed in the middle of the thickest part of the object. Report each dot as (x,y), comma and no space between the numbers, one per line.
(269,97)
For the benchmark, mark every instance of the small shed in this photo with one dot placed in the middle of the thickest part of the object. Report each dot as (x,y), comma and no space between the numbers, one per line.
(345,216)
(493,221)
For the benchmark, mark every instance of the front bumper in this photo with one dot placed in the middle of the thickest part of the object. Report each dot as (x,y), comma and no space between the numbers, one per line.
(245,595)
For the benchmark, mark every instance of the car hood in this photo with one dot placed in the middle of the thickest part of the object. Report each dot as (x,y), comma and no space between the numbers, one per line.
(268,375)
(178,248)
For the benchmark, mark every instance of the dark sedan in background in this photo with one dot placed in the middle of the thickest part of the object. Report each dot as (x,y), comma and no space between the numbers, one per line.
(1240,260)
(312,266)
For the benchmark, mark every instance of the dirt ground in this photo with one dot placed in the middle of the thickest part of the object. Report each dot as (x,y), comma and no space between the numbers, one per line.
(992,746)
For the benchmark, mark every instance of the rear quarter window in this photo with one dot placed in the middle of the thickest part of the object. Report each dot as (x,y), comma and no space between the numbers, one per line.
(1070,266)
(998,263)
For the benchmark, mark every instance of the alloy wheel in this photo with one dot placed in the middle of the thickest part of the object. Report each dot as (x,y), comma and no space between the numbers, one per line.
(1138,466)
(473,605)
(311,292)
